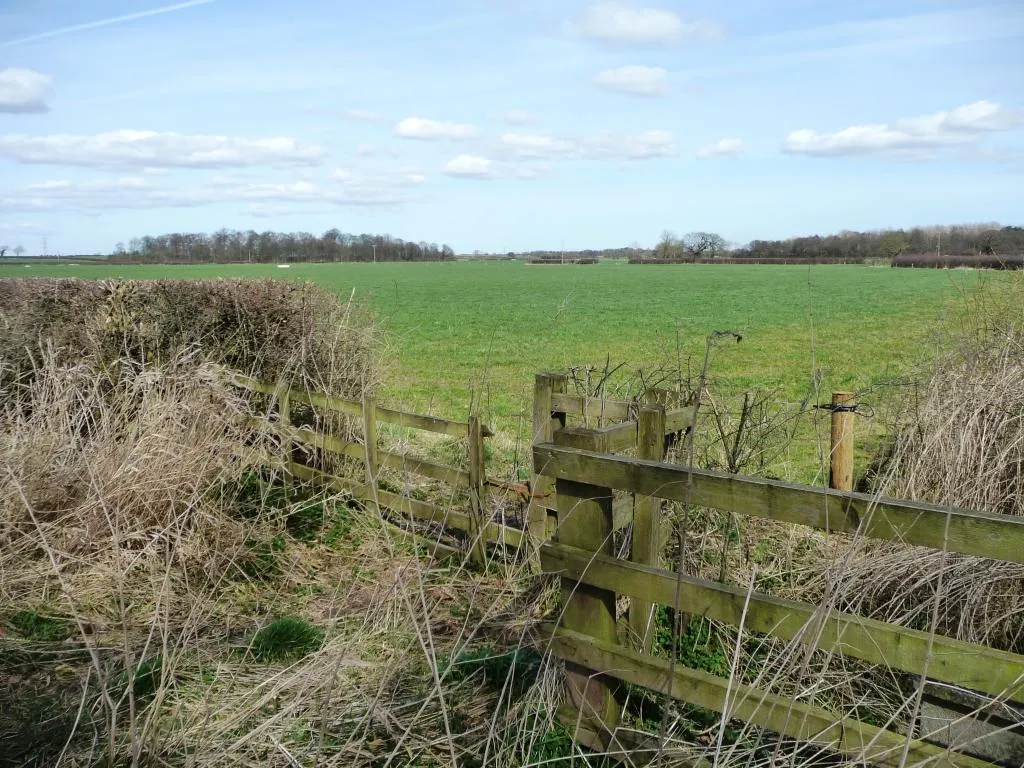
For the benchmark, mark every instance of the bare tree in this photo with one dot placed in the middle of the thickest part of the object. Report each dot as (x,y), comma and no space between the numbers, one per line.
(19,251)
(668,246)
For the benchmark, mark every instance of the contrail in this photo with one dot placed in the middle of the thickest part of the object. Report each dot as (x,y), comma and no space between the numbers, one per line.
(106,22)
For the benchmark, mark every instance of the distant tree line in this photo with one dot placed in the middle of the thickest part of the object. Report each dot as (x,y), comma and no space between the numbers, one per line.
(227,245)
(970,239)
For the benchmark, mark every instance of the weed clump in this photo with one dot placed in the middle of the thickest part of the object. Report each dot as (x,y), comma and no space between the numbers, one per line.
(287,637)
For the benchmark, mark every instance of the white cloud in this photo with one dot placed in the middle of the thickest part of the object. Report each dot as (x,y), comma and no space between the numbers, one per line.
(519,117)
(637,146)
(421,128)
(365,150)
(340,188)
(537,145)
(469,166)
(634,80)
(614,22)
(365,115)
(962,125)
(23,90)
(152,149)
(722,148)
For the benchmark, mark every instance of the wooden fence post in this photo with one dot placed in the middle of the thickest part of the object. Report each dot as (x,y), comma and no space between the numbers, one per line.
(841,465)
(284,412)
(647,538)
(477,492)
(585,521)
(370,446)
(546,422)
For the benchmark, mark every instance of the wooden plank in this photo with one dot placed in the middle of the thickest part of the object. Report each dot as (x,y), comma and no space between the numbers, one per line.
(619,437)
(328,443)
(453,476)
(994,672)
(355,408)
(591,407)
(971,532)
(781,714)
(329,402)
(426,423)
(595,440)
(647,540)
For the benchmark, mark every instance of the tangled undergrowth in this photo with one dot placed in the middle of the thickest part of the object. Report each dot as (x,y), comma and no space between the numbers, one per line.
(165,602)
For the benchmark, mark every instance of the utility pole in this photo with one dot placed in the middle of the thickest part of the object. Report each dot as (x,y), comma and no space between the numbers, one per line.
(374,246)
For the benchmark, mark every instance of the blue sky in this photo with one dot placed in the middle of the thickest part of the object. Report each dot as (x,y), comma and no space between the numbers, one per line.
(505,124)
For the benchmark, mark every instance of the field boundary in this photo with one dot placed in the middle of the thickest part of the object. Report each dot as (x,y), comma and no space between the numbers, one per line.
(586,476)
(575,502)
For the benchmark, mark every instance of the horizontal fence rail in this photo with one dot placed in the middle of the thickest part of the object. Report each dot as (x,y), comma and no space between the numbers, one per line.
(580,467)
(975,666)
(781,714)
(355,408)
(476,523)
(969,532)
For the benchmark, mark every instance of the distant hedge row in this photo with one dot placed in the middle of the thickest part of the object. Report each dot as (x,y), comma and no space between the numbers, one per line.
(975,260)
(748,260)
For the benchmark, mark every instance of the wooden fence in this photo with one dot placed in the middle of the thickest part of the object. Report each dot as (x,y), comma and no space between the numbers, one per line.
(583,490)
(474,522)
(586,475)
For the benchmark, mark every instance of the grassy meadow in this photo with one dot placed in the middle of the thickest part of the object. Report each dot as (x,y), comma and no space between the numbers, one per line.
(465,330)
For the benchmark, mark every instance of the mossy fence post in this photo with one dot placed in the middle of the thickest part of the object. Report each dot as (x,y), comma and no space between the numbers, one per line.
(647,522)
(585,521)
(841,456)
(477,492)
(546,421)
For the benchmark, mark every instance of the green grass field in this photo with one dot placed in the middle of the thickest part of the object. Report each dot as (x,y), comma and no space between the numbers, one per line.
(469,329)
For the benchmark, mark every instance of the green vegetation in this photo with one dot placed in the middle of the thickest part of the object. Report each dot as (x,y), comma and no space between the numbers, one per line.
(33,625)
(288,637)
(466,330)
